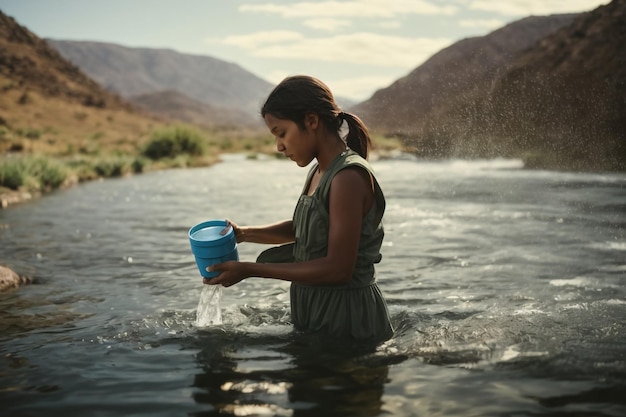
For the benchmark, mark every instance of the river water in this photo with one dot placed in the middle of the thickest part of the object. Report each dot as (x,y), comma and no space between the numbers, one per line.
(506,287)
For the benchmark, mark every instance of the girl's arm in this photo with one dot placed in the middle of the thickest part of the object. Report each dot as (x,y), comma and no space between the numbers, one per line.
(277,233)
(351,196)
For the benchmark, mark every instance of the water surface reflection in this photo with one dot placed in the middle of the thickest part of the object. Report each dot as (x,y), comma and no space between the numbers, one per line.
(507,288)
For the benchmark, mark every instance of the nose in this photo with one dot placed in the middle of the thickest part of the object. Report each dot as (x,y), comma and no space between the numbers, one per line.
(279,145)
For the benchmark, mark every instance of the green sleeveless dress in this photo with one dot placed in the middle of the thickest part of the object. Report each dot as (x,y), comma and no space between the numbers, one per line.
(356,310)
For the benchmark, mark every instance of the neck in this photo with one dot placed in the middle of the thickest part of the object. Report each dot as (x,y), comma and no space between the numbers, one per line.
(328,153)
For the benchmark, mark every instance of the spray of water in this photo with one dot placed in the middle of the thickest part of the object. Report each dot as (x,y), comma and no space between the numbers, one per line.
(209,311)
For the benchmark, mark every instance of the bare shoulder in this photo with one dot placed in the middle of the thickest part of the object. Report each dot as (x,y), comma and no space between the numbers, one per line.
(353,181)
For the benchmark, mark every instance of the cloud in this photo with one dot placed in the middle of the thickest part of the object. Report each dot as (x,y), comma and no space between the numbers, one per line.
(356,48)
(360,88)
(329,24)
(535,7)
(277,76)
(353,8)
(389,24)
(256,39)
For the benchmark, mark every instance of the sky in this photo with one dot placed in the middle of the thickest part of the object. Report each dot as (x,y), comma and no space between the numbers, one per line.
(355,46)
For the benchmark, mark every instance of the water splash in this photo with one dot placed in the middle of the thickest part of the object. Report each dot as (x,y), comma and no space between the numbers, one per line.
(209,311)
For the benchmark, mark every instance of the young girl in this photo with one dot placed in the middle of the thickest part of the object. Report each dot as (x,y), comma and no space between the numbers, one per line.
(336,231)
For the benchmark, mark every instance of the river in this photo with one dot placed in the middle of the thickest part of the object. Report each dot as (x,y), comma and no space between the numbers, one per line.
(506,287)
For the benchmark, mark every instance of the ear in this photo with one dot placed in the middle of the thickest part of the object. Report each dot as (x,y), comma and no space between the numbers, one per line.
(311,120)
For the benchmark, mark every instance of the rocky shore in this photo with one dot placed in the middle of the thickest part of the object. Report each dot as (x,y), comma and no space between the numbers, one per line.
(8,198)
(9,279)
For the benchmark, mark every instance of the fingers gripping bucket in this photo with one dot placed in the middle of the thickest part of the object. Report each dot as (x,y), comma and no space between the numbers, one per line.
(210,247)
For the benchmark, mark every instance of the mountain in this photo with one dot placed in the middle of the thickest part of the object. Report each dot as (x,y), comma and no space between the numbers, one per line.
(48,104)
(555,100)
(570,96)
(28,62)
(140,71)
(463,69)
(174,106)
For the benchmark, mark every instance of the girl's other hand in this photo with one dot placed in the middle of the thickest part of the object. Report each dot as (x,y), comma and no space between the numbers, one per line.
(230,274)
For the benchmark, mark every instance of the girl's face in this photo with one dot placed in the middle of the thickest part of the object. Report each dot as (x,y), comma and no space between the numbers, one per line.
(295,143)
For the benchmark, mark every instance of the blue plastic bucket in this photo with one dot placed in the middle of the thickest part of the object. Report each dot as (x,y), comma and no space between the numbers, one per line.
(210,247)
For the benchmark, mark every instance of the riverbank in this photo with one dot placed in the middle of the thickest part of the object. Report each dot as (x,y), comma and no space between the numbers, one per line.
(164,157)
(11,197)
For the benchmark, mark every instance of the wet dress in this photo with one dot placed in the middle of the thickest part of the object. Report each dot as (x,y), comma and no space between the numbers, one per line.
(356,310)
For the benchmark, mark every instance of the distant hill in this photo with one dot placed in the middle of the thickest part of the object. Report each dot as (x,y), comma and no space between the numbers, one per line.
(48,104)
(549,90)
(140,71)
(172,105)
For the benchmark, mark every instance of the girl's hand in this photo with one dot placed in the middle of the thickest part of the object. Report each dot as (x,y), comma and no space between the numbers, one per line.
(236,229)
(231,273)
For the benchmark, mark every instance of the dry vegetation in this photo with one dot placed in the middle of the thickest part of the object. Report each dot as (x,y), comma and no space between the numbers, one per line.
(46,138)
(49,142)
(36,124)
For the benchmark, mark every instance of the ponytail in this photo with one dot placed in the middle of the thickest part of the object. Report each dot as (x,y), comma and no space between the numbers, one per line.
(358,138)
(297,95)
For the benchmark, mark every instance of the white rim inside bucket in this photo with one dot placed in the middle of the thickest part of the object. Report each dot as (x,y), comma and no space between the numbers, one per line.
(207,234)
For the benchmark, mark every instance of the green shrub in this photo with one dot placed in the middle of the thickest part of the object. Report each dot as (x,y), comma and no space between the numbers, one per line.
(139,165)
(16,147)
(118,165)
(174,141)
(12,174)
(112,167)
(96,136)
(36,173)
(49,173)
(82,167)
(29,132)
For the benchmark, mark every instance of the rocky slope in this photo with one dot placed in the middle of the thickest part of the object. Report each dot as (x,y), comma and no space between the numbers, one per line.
(48,105)
(461,70)
(557,102)
(563,102)
(28,61)
(140,71)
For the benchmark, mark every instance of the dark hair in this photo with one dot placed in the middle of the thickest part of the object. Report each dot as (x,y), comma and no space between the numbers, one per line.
(298,95)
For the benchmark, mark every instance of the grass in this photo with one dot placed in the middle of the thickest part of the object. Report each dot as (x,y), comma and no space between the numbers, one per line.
(175,146)
(28,168)
(34,173)
(47,142)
